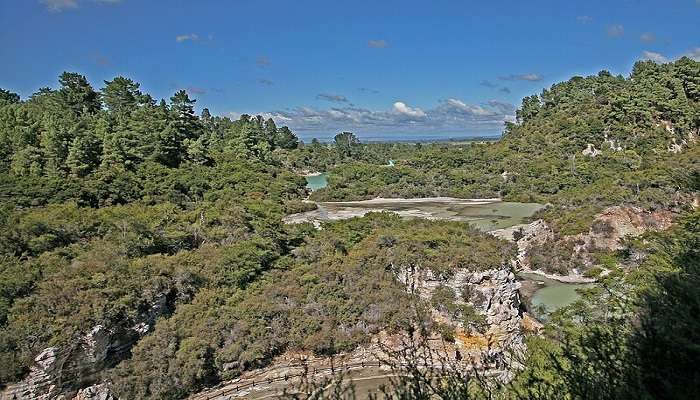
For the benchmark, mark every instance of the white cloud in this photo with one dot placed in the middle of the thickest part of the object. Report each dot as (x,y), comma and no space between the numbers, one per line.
(647,37)
(532,77)
(377,44)
(182,38)
(694,53)
(450,115)
(655,57)
(401,108)
(584,19)
(616,30)
(60,5)
(467,108)
(196,90)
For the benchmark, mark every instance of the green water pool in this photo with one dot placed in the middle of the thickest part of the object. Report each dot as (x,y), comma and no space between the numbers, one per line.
(315,182)
(553,295)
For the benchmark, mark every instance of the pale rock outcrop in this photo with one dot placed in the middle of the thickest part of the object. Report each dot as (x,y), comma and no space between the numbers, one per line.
(675,147)
(494,296)
(59,372)
(591,151)
(525,236)
(606,233)
(614,146)
(668,125)
(95,392)
(617,222)
(40,382)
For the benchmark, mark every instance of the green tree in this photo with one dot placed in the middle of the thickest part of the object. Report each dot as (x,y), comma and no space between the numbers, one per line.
(121,95)
(346,144)
(285,139)
(77,94)
(7,97)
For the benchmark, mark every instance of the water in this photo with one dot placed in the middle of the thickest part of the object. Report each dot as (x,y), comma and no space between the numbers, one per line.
(315,182)
(483,215)
(553,294)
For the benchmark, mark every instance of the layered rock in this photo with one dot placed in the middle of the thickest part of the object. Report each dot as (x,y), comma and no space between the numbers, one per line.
(607,232)
(493,294)
(67,371)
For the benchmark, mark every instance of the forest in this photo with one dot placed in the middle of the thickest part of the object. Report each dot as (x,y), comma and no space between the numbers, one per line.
(160,229)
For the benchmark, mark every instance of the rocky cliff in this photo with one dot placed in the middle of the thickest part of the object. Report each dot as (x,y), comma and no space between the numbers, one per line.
(568,257)
(484,312)
(73,370)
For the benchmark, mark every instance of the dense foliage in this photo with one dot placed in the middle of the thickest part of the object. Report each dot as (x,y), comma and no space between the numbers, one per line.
(116,210)
(141,224)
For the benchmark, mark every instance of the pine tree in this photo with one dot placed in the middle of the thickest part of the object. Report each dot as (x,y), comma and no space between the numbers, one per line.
(77,95)
(121,95)
(285,139)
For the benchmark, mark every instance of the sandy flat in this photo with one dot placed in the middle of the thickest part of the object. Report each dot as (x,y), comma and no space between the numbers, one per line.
(385,200)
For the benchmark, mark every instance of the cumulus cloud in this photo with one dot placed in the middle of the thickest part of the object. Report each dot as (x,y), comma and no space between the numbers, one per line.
(616,30)
(333,98)
(504,90)
(410,112)
(183,38)
(377,44)
(460,106)
(488,84)
(450,115)
(532,77)
(655,57)
(694,53)
(60,5)
(647,37)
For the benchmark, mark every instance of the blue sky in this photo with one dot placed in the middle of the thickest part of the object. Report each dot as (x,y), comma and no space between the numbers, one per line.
(321,67)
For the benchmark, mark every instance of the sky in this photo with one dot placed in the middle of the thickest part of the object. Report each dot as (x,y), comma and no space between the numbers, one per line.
(413,68)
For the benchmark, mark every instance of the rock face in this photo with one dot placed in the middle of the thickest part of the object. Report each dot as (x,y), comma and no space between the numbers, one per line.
(617,222)
(62,372)
(95,392)
(493,294)
(57,371)
(525,236)
(39,384)
(591,151)
(606,233)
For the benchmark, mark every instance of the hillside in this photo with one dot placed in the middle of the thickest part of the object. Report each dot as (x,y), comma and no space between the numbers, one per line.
(142,246)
